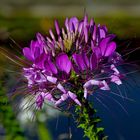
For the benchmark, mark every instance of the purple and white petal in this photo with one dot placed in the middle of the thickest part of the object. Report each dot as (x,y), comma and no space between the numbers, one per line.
(51,79)
(74,98)
(114,69)
(104,85)
(77,102)
(116,79)
(61,88)
(48,96)
(58,102)
(64,97)
(85,93)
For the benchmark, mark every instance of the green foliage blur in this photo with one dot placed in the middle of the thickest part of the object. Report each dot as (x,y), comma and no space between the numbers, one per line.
(8,118)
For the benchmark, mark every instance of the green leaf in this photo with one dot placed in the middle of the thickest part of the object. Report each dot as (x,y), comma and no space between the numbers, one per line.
(100,129)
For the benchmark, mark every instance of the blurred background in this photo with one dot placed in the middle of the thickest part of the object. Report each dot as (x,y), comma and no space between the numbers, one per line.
(20,20)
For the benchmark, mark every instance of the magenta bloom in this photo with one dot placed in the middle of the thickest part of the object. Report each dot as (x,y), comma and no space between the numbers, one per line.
(82,55)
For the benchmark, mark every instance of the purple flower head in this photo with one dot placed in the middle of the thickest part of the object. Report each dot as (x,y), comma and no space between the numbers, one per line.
(81,56)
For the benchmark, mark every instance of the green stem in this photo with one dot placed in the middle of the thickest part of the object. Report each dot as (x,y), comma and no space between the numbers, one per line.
(87,120)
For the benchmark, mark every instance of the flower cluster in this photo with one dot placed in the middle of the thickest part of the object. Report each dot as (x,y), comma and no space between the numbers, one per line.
(82,55)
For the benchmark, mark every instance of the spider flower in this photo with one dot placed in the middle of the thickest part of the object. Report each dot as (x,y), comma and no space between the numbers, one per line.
(79,56)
